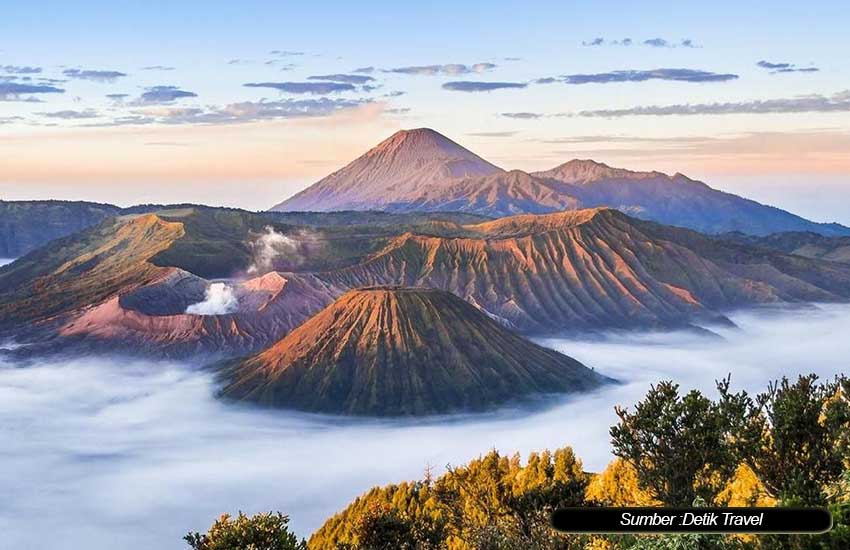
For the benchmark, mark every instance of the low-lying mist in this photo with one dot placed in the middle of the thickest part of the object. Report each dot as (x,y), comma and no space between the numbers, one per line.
(103,453)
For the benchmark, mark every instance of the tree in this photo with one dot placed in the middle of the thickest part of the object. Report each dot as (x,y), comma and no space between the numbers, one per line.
(269,531)
(795,437)
(677,445)
(618,485)
(382,528)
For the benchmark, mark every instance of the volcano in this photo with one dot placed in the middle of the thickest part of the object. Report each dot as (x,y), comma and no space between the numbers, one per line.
(423,171)
(397,170)
(385,351)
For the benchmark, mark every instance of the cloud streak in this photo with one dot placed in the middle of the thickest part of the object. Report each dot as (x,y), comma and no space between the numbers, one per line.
(650,42)
(96,76)
(159,95)
(475,86)
(451,69)
(815,103)
(776,68)
(345,78)
(235,113)
(13,91)
(523,115)
(71,114)
(19,69)
(313,88)
(678,75)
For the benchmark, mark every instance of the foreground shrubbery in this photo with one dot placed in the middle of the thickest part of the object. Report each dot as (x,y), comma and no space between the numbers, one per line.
(787,446)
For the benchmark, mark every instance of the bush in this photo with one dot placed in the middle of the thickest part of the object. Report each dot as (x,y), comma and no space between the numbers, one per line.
(269,531)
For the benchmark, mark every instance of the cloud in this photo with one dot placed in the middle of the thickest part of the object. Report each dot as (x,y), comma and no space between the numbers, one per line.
(235,113)
(219,299)
(157,68)
(815,103)
(97,76)
(508,133)
(156,95)
(286,53)
(679,75)
(398,111)
(546,80)
(474,86)
(12,91)
(314,88)
(599,41)
(19,69)
(656,43)
(10,119)
(452,69)
(117,97)
(128,120)
(776,68)
(650,42)
(364,70)
(154,428)
(71,115)
(348,78)
(523,115)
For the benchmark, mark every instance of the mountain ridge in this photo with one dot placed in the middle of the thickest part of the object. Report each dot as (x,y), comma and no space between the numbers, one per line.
(418,180)
(569,271)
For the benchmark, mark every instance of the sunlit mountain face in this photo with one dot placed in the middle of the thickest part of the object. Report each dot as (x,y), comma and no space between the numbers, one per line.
(415,275)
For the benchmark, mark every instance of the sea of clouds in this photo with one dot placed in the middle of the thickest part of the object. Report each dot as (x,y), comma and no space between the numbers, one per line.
(105,453)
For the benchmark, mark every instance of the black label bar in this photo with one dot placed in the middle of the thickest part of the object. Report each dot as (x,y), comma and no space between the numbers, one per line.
(692,520)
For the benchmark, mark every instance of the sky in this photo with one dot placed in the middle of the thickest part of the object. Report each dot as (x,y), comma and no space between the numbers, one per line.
(243,104)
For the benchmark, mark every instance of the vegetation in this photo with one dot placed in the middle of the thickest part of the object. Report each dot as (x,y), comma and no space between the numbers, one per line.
(787,446)
(267,531)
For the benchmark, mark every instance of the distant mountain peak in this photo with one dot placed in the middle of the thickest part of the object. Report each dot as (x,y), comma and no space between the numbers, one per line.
(420,139)
(579,171)
(403,165)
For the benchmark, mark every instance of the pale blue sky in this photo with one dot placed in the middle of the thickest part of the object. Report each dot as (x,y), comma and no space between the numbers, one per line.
(81,143)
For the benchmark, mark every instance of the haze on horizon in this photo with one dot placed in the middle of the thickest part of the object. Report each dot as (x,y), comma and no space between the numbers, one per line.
(249,104)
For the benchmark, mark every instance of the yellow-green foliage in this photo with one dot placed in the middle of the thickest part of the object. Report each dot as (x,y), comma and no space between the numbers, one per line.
(618,485)
(492,492)
(745,489)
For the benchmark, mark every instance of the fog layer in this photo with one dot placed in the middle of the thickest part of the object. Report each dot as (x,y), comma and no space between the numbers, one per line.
(104,453)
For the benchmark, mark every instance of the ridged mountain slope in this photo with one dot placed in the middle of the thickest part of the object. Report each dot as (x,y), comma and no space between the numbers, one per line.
(402,351)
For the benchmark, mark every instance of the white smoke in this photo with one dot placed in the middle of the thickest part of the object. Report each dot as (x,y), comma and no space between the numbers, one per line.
(270,246)
(218,300)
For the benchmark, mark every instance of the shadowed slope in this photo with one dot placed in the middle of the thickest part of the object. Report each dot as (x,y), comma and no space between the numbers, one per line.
(400,351)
